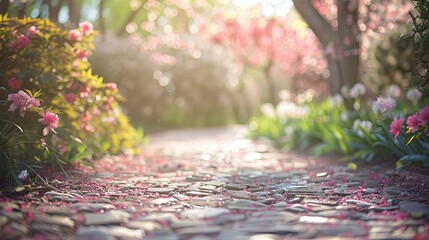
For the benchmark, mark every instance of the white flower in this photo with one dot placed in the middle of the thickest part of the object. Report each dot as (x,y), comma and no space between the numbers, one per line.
(358,125)
(344,116)
(383,104)
(300,98)
(285,95)
(357,90)
(336,100)
(345,91)
(414,95)
(393,91)
(287,110)
(309,94)
(23,175)
(268,110)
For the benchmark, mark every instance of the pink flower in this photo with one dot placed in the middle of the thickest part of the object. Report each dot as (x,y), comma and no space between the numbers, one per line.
(87,127)
(396,125)
(424,115)
(85,117)
(50,120)
(384,104)
(82,54)
(20,43)
(32,31)
(75,35)
(86,28)
(75,64)
(70,97)
(84,91)
(107,104)
(96,112)
(13,83)
(22,101)
(34,103)
(111,86)
(110,100)
(413,122)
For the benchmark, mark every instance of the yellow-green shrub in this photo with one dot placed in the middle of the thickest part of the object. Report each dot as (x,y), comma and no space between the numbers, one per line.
(37,56)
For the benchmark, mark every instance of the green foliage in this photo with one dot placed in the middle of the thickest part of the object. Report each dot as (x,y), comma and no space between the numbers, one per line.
(392,61)
(364,133)
(51,64)
(421,38)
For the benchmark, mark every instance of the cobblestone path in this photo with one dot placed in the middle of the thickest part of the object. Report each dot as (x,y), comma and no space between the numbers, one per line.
(216,184)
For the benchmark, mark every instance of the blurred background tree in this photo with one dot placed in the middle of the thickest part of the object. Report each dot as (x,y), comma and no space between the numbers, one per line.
(210,62)
(341,27)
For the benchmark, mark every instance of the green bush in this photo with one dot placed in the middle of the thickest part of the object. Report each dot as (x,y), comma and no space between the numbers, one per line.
(384,129)
(48,64)
(391,61)
(421,40)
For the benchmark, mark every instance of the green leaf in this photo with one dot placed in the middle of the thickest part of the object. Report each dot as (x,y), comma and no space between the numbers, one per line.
(411,139)
(415,158)
(81,148)
(324,148)
(81,155)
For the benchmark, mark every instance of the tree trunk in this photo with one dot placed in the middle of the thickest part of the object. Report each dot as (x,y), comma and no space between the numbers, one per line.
(348,34)
(271,85)
(101,7)
(4,6)
(21,9)
(343,56)
(54,10)
(74,10)
(335,74)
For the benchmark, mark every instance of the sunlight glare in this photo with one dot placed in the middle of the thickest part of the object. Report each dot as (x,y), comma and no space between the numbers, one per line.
(268,8)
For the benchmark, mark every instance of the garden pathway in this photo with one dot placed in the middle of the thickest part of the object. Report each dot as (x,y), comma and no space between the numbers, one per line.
(216,184)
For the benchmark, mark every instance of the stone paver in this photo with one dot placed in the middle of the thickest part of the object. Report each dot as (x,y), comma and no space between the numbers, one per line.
(216,184)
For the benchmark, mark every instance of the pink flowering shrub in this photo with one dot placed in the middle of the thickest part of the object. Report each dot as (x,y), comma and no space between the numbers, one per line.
(50,102)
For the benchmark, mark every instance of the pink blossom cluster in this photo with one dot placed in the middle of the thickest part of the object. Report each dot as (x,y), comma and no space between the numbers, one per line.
(396,126)
(14,83)
(20,43)
(259,41)
(22,101)
(420,118)
(414,122)
(32,31)
(76,35)
(50,120)
(85,29)
(23,41)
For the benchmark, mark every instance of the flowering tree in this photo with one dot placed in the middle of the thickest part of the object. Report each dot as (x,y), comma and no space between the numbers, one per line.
(267,43)
(343,28)
(121,17)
